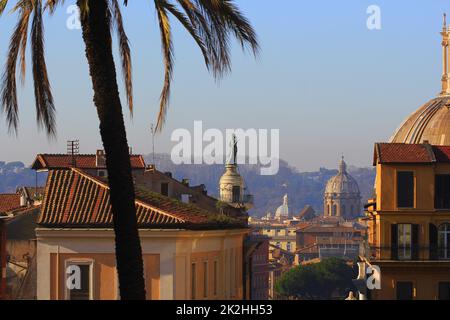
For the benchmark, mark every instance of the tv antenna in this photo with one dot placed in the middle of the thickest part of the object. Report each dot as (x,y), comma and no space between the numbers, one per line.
(73,149)
(152,130)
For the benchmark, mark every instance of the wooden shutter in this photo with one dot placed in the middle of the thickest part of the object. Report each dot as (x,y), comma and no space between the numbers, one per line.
(415,241)
(405,189)
(433,238)
(394,242)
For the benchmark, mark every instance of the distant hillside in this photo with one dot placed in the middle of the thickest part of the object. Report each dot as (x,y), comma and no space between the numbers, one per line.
(302,187)
(14,174)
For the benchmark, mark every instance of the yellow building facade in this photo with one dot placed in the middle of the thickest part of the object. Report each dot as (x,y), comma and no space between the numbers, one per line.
(409,221)
(281,235)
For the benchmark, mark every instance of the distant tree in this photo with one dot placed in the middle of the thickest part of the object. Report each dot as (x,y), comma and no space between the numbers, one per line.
(324,280)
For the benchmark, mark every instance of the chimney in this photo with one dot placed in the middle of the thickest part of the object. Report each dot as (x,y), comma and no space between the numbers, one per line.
(100,160)
(185,182)
(168,174)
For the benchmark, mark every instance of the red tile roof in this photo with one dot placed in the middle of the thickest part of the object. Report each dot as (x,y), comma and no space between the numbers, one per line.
(73,198)
(317,228)
(82,161)
(9,202)
(402,153)
(398,153)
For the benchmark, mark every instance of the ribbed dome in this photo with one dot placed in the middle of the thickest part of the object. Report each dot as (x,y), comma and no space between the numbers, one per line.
(283,210)
(431,123)
(342,183)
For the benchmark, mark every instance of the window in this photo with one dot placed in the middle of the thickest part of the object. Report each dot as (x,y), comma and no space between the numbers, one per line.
(334,210)
(405,189)
(405,290)
(444,291)
(193,281)
(442,191)
(205,279)
(216,271)
(165,189)
(78,281)
(236,194)
(404,241)
(342,210)
(444,241)
(288,246)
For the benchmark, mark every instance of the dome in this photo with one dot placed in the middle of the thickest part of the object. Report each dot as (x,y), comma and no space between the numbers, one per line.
(431,122)
(283,210)
(342,183)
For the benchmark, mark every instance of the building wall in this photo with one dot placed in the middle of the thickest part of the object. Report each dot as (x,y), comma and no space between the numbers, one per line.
(168,258)
(282,236)
(425,283)
(260,272)
(424,273)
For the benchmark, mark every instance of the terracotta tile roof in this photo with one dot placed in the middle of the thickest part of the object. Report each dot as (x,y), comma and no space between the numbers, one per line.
(73,198)
(402,153)
(82,161)
(325,229)
(410,153)
(9,202)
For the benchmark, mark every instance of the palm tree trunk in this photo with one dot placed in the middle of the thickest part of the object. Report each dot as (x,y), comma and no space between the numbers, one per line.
(97,39)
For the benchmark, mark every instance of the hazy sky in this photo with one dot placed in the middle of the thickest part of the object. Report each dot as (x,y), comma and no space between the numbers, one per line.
(328,83)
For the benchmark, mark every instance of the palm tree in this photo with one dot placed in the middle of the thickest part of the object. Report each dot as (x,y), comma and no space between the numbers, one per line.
(211,23)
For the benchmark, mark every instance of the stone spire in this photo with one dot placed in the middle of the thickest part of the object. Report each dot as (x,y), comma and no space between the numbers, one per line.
(445,57)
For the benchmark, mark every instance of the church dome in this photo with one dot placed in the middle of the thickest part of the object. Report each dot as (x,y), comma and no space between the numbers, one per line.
(431,122)
(283,210)
(342,183)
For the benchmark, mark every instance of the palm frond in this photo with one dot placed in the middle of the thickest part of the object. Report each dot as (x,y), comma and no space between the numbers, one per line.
(124,49)
(211,23)
(45,109)
(167,48)
(8,85)
(3,4)
(52,4)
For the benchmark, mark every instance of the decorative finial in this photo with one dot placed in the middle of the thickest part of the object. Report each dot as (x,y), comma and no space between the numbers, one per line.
(445,90)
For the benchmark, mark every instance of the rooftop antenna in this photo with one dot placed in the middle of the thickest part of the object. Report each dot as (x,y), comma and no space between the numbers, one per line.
(152,130)
(73,149)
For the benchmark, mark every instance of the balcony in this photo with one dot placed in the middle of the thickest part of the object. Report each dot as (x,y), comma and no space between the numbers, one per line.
(413,253)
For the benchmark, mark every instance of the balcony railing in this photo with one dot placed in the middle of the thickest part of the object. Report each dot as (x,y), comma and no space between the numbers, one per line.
(409,253)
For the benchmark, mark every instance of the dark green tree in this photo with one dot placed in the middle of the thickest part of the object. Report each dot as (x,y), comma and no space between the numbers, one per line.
(327,279)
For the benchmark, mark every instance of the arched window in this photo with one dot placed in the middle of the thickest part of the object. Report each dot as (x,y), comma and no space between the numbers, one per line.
(334,210)
(444,241)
